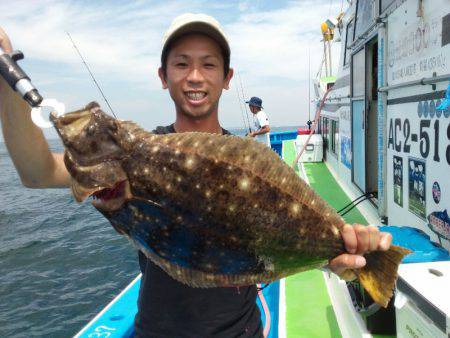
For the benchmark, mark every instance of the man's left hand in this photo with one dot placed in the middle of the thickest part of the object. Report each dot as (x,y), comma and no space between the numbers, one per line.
(358,240)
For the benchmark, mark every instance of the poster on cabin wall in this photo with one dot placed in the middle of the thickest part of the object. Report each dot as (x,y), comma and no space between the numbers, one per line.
(398,180)
(439,221)
(346,151)
(345,137)
(416,185)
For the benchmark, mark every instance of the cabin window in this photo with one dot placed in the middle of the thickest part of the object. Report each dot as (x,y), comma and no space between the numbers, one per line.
(324,132)
(334,137)
(364,16)
(358,71)
(384,4)
(348,41)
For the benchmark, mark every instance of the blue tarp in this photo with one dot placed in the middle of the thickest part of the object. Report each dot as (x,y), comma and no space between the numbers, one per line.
(424,250)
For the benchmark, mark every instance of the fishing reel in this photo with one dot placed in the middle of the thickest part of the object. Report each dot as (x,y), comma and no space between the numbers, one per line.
(21,83)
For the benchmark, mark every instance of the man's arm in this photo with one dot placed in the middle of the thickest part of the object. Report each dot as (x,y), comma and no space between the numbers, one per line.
(263,130)
(37,166)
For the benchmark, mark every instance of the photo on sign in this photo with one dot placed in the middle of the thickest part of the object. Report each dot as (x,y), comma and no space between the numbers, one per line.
(346,151)
(398,180)
(416,185)
(439,223)
(436,192)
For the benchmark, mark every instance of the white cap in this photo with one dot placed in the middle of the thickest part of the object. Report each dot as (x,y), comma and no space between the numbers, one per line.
(196,23)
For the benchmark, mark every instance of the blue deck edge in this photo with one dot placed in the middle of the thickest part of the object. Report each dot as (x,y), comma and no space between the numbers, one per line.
(117,318)
(277,138)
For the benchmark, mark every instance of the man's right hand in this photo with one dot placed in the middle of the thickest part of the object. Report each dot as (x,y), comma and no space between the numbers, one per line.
(5,43)
(36,165)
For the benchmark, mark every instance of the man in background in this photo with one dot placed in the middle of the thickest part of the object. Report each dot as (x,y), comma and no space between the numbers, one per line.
(261,122)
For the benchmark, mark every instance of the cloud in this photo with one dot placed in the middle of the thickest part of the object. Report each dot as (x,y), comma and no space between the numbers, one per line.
(121,43)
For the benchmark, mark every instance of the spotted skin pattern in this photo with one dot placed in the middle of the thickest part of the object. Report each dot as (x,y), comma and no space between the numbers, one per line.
(211,210)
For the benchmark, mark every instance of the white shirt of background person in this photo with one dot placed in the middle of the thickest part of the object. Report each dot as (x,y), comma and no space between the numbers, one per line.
(262,121)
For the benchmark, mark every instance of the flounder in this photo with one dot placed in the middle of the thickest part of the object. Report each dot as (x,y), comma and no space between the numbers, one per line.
(210,210)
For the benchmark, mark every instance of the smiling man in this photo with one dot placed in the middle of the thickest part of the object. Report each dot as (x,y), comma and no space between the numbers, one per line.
(195,68)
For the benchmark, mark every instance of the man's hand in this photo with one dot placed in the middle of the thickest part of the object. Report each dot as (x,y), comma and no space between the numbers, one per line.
(251,134)
(5,43)
(36,165)
(358,239)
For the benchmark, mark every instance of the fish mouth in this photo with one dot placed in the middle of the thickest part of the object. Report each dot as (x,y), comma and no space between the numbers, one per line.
(111,199)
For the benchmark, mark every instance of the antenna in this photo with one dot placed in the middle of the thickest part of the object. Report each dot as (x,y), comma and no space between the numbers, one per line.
(309,122)
(309,83)
(92,75)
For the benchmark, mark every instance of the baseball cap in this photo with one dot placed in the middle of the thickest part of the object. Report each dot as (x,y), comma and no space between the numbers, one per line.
(195,23)
(255,101)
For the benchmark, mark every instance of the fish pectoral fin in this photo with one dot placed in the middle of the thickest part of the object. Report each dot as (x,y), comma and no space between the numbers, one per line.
(379,274)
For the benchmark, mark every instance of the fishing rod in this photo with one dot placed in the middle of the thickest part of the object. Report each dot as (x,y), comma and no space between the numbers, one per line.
(19,81)
(92,75)
(243,96)
(240,107)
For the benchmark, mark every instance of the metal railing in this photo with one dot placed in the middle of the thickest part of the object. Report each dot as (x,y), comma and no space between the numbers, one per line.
(424,81)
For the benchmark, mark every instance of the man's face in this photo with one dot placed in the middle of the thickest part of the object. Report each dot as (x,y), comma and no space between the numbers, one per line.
(195,76)
(254,109)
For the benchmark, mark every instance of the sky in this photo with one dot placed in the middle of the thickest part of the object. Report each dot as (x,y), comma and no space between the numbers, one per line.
(121,42)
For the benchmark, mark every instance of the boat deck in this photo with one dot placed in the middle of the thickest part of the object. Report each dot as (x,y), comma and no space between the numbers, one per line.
(304,308)
(309,312)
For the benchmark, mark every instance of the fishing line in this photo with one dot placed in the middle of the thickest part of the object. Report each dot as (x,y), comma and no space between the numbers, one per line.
(242,110)
(243,96)
(92,75)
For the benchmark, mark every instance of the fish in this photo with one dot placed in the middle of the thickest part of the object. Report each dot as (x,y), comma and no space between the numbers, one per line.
(210,210)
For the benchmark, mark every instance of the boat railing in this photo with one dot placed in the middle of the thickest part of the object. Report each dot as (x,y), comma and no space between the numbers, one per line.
(277,138)
(424,81)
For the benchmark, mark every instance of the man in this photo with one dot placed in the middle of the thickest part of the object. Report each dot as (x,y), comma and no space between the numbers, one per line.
(261,123)
(195,70)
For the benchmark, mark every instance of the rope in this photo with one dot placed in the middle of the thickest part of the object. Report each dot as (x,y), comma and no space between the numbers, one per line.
(312,131)
(265,308)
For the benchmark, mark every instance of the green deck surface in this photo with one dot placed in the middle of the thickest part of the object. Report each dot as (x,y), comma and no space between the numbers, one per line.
(309,312)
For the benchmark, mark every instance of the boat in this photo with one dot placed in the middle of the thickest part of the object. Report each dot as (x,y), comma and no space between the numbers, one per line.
(383,119)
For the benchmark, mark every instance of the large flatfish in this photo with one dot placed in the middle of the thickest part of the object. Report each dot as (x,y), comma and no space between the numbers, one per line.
(210,210)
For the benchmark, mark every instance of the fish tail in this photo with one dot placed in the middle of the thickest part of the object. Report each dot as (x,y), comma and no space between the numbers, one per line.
(379,274)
